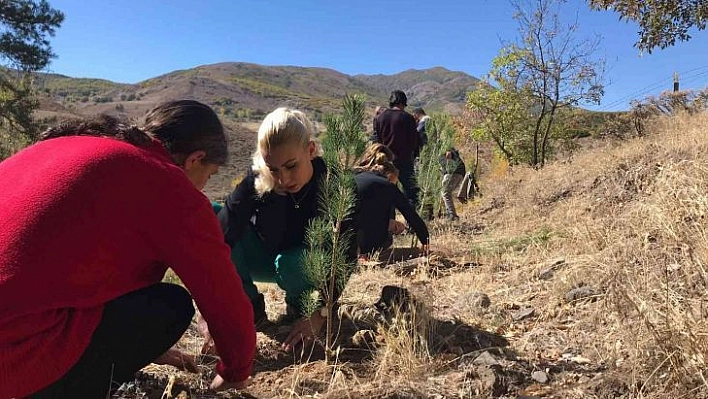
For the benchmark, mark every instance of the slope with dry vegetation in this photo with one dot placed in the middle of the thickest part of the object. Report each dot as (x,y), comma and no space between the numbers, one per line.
(586,279)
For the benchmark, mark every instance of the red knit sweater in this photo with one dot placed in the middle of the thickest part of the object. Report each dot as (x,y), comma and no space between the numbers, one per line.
(84,220)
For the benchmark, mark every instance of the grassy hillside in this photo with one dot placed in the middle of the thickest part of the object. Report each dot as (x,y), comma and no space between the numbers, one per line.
(625,224)
(585,279)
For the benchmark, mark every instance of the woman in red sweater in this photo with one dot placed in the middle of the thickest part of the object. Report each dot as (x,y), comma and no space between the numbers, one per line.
(91,217)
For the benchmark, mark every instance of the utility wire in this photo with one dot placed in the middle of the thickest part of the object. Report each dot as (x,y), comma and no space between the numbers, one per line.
(686,77)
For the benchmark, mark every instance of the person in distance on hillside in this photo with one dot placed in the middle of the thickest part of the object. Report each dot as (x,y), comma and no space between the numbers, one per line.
(422,120)
(469,187)
(453,170)
(93,215)
(377,199)
(396,129)
(265,218)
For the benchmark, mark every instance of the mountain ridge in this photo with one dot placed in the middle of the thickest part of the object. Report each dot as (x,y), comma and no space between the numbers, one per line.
(242,90)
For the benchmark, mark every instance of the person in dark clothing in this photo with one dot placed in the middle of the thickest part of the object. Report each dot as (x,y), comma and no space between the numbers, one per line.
(377,111)
(377,199)
(265,218)
(396,129)
(453,171)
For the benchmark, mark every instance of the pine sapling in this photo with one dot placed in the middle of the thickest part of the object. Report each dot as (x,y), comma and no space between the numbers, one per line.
(330,259)
(429,175)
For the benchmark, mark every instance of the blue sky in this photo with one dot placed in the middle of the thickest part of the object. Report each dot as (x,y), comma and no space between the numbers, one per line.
(129,40)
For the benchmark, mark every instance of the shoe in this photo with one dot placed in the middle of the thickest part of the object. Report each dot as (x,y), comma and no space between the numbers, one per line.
(452,218)
(462,200)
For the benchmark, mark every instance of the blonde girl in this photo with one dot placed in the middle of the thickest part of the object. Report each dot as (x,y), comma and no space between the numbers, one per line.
(266,216)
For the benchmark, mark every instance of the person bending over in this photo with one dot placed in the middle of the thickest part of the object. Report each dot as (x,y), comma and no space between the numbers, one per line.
(92,217)
(266,216)
(377,199)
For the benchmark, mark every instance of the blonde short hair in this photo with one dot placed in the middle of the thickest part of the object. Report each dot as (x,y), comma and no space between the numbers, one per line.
(282,126)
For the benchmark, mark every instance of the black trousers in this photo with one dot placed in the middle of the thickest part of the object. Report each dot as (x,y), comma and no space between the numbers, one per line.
(135,329)
(406,175)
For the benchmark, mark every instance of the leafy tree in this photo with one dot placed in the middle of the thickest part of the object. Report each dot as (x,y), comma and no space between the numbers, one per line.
(661,22)
(328,261)
(24,48)
(546,70)
(502,111)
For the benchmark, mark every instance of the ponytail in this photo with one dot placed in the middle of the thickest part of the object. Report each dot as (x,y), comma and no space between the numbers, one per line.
(99,126)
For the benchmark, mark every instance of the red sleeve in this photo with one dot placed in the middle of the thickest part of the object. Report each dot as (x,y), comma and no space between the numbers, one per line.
(194,248)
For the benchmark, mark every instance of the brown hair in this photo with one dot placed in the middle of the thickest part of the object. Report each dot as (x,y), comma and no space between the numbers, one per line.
(372,154)
(376,158)
(186,126)
(182,126)
(98,126)
(386,168)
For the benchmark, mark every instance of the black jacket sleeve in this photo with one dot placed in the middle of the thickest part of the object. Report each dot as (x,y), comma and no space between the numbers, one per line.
(415,137)
(348,229)
(238,209)
(411,216)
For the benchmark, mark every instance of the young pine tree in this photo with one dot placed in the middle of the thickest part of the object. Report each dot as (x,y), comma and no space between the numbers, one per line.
(429,175)
(331,256)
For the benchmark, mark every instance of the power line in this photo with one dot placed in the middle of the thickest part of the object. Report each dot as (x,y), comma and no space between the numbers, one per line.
(694,78)
(687,76)
(695,75)
(635,94)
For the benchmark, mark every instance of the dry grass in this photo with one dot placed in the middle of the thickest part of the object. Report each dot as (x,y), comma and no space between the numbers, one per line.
(628,219)
(625,219)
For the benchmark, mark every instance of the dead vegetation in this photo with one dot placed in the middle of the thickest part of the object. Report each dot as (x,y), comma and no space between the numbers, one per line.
(586,279)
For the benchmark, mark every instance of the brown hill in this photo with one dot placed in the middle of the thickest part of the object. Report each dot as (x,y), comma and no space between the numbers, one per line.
(435,88)
(242,93)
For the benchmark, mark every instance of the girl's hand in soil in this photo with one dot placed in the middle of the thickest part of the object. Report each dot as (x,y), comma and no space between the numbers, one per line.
(218,384)
(179,359)
(304,330)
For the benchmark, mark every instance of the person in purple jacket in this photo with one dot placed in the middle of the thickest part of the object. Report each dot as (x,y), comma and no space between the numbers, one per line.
(396,129)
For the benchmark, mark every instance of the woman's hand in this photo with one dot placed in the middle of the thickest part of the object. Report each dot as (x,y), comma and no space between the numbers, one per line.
(396,227)
(304,330)
(179,359)
(218,384)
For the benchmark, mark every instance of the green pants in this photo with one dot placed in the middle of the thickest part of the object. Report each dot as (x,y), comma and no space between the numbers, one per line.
(254,262)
